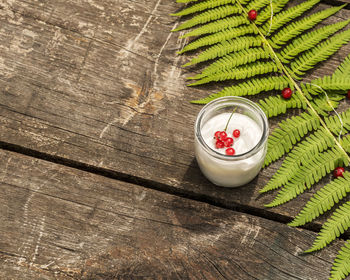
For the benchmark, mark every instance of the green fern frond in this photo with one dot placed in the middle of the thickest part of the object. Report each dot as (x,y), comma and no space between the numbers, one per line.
(316,143)
(343,69)
(224,35)
(242,50)
(216,26)
(233,60)
(296,28)
(333,123)
(317,54)
(341,265)
(309,40)
(323,200)
(327,83)
(276,105)
(277,6)
(310,173)
(250,87)
(290,132)
(210,15)
(325,104)
(202,6)
(288,15)
(226,47)
(336,225)
(239,73)
(345,143)
(257,4)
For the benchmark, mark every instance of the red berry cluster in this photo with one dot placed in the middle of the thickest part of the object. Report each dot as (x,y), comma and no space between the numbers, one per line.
(222,141)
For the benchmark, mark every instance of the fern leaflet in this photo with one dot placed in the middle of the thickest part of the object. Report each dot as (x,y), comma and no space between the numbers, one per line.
(323,200)
(314,144)
(233,60)
(242,72)
(309,40)
(250,87)
(310,173)
(202,6)
(336,225)
(319,53)
(213,14)
(341,266)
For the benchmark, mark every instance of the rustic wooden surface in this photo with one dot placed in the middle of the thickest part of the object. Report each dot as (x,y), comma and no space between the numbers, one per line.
(97,86)
(65,223)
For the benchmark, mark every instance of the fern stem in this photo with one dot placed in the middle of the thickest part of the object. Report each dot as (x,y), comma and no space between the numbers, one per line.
(296,86)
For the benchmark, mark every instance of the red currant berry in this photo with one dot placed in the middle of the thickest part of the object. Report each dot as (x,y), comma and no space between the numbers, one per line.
(223,135)
(219,144)
(228,142)
(236,133)
(252,14)
(287,93)
(349,94)
(338,172)
(230,152)
(217,135)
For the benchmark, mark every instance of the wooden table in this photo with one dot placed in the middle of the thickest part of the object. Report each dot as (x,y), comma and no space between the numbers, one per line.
(98,178)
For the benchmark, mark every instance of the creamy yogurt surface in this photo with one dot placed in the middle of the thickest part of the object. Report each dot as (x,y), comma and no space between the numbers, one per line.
(250,135)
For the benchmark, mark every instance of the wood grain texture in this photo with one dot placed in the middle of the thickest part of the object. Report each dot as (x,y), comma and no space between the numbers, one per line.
(62,223)
(98,83)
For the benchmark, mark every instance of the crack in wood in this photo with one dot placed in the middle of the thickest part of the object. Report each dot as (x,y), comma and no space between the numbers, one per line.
(149,184)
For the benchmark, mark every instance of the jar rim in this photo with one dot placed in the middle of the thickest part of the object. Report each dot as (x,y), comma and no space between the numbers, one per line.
(222,100)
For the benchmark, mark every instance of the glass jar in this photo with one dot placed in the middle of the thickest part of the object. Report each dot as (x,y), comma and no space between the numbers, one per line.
(236,170)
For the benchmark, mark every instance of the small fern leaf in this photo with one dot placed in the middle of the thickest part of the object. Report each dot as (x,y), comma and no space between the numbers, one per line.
(290,132)
(323,200)
(309,40)
(296,28)
(288,15)
(344,69)
(250,87)
(217,37)
(225,48)
(201,6)
(314,144)
(276,105)
(325,104)
(233,60)
(310,173)
(336,225)
(239,73)
(317,54)
(219,25)
(341,265)
(210,15)
(333,123)
(332,83)
(257,4)
(264,15)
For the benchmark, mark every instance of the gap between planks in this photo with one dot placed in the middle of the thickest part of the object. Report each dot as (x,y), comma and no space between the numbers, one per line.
(152,185)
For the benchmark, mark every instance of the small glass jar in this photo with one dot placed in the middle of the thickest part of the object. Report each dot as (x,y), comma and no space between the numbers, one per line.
(237,170)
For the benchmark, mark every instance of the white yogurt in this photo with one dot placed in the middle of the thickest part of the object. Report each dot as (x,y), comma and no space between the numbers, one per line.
(250,148)
(250,132)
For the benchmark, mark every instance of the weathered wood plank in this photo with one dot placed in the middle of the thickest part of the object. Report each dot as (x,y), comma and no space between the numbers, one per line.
(61,223)
(100,84)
